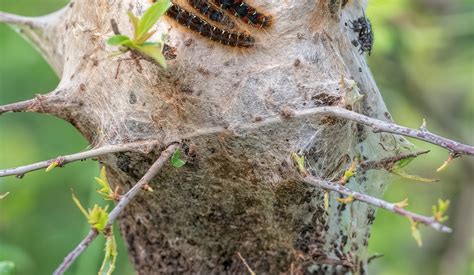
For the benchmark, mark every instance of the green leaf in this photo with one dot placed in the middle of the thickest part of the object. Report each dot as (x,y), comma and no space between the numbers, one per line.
(98,217)
(402,204)
(79,205)
(152,14)
(144,38)
(402,163)
(6,267)
(415,232)
(412,177)
(348,174)
(176,160)
(134,20)
(299,162)
(108,265)
(118,40)
(52,165)
(346,200)
(105,190)
(153,52)
(440,210)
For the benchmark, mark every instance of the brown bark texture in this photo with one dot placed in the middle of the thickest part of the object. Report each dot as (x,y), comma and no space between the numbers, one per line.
(234,111)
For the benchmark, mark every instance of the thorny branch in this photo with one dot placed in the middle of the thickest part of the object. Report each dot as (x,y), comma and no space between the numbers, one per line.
(124,201)
(330,186)
(62,160)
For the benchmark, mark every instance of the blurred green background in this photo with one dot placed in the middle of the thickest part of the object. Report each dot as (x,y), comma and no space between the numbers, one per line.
(423,63)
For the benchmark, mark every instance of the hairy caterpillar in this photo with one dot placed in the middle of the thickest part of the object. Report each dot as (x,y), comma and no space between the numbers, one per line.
(245,12)
(196,23)
(212,13)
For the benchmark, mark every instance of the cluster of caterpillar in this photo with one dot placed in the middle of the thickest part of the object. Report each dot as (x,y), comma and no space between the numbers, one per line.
(219,12)
(245,12)
(205,29)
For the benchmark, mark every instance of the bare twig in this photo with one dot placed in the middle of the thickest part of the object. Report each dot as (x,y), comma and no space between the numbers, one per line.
(124,201)
(10,18)
(388,162)
(49,103)
(22,106)
(72,256)
(62,160)
(388,127)
(376,124)
(330,186)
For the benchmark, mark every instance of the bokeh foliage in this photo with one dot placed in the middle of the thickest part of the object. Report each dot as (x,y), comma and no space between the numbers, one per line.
(423,63)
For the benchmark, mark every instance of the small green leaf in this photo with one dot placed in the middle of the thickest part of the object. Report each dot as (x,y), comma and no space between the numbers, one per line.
(105,190)
(79,205)
(108,264)
(118,40)
(152,14)
(98,217)
(402,204)
(52,165)
(415,232)
(402,163)
(134,20)
(412,177)
(440,210)
(349,173)
(176,160)
(299,162)
(153,52)
(144,38)
(346,200)
(6,267)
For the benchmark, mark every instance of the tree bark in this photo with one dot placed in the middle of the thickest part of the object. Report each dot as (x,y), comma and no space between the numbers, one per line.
(238,192)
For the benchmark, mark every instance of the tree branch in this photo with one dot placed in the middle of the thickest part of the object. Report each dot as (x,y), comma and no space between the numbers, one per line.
(10,18)
(454,147)
(388,127)
(49,103)
(62,160)
(22,106)
(330,186)
(124,201)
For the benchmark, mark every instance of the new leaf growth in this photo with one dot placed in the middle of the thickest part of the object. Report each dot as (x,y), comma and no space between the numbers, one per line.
(141,33)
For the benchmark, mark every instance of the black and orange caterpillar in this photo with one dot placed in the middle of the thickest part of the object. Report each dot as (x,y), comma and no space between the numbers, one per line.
(208,30)
(221,27)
